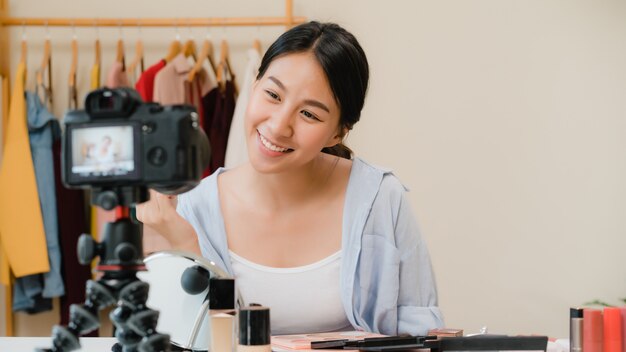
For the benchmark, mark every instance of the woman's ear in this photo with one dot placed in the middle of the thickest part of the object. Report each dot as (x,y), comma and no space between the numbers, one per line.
(339,137)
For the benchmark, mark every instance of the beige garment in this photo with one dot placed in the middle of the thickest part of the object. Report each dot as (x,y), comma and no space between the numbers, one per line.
(236,149)
(117,77)
(171,85)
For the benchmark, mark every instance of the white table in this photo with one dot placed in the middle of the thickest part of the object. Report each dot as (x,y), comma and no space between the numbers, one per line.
(29,344)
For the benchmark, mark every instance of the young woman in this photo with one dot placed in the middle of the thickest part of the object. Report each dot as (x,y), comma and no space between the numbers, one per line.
(327,242)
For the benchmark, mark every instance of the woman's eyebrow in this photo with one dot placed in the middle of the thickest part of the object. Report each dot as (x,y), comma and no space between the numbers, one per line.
(278,82)
(317,104)
(308,101)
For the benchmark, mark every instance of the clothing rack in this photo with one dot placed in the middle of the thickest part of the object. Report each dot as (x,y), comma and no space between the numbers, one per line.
(6,21)
(288,20)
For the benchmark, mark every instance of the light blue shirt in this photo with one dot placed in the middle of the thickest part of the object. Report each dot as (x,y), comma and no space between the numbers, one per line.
(387,283)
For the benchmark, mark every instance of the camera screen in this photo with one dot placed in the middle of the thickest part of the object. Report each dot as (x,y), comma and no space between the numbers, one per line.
(103,151)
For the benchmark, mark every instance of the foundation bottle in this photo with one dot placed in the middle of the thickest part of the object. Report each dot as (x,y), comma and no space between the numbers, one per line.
(222,319)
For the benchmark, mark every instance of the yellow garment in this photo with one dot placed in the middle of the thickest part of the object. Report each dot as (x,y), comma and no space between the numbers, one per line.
(5,108)
(95,77)
(5,274)
(21,223)
(94,84)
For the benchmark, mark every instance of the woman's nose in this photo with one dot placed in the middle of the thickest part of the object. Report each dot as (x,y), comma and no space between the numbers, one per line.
(281,123)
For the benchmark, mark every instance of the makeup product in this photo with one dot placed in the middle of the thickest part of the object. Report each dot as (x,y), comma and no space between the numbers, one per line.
(576,329)
(473,343)
(222,315)
(445,332)
(623,311)
(254,329)
(221,295)
(613,330)
(592,330)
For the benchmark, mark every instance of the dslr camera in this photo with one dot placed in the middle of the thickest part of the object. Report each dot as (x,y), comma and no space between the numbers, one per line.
(118,142)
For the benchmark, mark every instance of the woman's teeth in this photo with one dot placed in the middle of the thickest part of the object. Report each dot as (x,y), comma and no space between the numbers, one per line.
(271,146)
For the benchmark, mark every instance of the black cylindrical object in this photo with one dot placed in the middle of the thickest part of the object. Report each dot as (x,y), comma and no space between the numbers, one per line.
(254,326)
(221,293)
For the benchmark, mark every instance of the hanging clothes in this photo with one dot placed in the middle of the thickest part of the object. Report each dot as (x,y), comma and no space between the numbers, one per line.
(2,117)
(219,107)
(171,85)
(94,82)
(28,289)
(21,224)
(5,275)
(145,84)
(236,149)
(117,76)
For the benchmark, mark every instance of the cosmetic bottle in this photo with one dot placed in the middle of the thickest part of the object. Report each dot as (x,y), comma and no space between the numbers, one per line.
(575,330)
(222,320)
(254,329)
(613,339)
(593,333)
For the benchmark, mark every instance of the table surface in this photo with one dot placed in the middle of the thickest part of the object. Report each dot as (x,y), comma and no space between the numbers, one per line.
(28,344)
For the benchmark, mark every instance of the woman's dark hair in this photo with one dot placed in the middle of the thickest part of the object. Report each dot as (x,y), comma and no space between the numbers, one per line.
(341,58)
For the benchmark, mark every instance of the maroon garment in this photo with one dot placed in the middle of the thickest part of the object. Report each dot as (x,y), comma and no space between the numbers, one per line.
(219,108)
(72,223)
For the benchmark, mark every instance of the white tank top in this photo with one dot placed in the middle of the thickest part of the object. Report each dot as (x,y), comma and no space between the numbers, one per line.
(302,299)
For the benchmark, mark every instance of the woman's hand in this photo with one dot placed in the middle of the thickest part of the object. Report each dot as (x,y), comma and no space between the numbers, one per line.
(159,213)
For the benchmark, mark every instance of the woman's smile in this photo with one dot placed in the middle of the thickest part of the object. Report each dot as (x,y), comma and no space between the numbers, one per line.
(271,147)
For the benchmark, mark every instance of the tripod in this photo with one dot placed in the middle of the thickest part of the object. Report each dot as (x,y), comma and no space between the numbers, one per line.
(121,257)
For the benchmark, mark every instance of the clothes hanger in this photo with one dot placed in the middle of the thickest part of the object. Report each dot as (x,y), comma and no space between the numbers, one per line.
(223,67)
(45,63)
(45,68)
(72,98)
(175,48)
(256,44)
(119,54)
(24,47)
(205,52)
(224,70)
(73,63)
(138,59)
(97,48)
(97,53)
(190,49)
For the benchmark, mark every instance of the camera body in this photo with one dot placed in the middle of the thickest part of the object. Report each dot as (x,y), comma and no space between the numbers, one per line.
(119,141)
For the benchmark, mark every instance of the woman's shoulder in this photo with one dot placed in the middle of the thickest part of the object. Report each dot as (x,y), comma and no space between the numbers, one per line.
(366,172)
(207,186)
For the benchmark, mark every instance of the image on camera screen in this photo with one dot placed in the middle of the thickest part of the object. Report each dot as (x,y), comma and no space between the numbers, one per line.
(103,151)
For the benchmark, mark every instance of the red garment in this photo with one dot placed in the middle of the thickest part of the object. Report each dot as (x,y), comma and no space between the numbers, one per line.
(145,84)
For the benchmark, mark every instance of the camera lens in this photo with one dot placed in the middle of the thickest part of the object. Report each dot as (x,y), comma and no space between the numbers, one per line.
(157,156)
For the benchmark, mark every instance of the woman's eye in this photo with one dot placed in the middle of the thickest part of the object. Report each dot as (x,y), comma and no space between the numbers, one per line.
(308,115)
(272,95)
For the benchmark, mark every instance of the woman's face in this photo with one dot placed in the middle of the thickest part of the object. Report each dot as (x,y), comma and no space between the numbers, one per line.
(292,114)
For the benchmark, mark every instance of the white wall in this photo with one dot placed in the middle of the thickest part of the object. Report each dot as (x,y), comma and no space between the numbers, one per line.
(505,118)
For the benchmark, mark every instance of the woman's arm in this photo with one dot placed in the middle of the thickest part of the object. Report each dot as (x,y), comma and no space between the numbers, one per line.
(418,309)
(159,213)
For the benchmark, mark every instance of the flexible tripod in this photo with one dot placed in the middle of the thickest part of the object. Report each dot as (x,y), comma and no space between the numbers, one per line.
(121,257)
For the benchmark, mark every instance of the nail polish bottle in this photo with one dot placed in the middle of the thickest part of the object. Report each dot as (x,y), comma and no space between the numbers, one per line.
(254,329)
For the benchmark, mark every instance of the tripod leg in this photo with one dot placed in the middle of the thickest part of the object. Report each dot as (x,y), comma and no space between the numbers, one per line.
(83,318)
(136,323)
